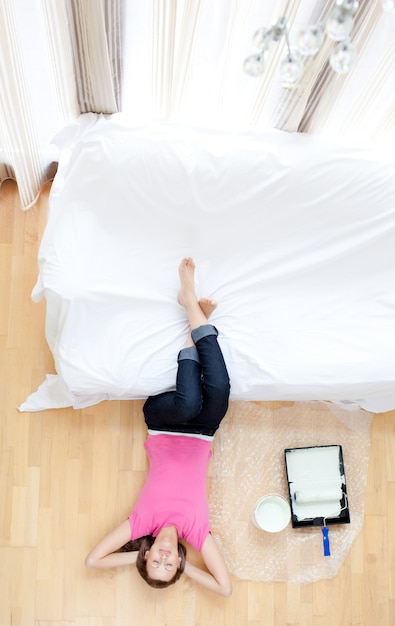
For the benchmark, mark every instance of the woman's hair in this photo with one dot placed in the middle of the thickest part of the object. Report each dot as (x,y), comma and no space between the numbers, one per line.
(142,545)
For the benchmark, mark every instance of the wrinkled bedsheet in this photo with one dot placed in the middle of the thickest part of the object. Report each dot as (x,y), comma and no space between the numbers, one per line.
(292,234)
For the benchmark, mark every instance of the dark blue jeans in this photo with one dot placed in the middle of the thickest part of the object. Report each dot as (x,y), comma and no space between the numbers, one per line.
(201,398)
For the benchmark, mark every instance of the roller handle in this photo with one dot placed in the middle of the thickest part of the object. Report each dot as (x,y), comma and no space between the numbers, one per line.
(325,540)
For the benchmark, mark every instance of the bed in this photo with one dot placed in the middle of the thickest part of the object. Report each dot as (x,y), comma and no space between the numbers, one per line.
(293,234)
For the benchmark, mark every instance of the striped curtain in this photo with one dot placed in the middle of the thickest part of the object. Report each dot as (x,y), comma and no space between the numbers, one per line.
(76,70)
(187,58)
(20,155)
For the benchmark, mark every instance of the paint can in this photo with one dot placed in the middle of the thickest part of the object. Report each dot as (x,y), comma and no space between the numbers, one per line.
(271,513)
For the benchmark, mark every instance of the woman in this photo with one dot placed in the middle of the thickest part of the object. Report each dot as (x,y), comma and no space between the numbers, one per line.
(173,502)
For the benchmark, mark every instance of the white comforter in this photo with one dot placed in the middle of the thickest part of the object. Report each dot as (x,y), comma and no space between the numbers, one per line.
(294,236)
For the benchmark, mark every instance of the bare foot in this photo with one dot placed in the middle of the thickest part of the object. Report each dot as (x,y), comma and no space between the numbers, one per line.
(186,271)
(208,305)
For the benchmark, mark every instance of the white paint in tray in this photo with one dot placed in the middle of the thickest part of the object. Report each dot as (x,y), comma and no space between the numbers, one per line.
(315,482)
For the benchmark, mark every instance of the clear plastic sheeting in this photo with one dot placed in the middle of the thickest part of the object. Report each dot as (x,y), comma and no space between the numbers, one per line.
(248,462)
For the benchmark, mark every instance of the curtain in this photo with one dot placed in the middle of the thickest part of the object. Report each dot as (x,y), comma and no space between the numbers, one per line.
(182,61)
(59,58)
(194,52)
(361,103)
(19,143)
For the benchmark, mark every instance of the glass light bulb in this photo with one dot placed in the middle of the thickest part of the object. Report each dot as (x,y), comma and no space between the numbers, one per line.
(254,65)
(279,29)
(388,5)
(310,40)
(349,6)
(342,57)
(291,68)
(339,24)
(262,39)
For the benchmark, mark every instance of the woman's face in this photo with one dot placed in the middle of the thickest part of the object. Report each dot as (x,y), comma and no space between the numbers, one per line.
(162,560)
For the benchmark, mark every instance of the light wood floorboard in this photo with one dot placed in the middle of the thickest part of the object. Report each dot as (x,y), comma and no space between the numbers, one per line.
(67,477)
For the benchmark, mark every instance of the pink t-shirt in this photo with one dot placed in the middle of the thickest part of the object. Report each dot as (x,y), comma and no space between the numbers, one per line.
(175,490)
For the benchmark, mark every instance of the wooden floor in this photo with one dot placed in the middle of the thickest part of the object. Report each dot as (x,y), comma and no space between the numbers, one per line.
(67,477)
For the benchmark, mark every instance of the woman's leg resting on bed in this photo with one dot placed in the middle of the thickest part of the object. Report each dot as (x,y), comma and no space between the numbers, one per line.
(172,408)
(182,405)
(215,378)
(202,387)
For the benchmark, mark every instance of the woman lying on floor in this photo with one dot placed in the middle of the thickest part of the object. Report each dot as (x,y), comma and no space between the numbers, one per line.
(173,503)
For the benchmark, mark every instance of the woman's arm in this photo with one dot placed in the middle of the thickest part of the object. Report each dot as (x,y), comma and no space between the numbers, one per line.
(104,553)
(217,578)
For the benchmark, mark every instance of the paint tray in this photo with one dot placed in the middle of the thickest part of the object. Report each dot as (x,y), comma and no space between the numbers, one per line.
(317,486)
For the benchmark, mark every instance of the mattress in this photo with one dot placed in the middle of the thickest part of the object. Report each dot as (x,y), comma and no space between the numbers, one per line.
(292,234)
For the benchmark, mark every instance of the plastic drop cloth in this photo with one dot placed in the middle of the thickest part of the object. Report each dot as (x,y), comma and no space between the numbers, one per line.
(248,462)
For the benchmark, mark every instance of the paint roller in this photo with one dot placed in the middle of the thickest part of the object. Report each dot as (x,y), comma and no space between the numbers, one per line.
(334,494)
(327,495)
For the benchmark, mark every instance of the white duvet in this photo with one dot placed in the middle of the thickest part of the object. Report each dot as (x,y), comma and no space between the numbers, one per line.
(294,236)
